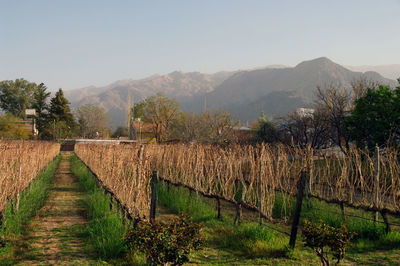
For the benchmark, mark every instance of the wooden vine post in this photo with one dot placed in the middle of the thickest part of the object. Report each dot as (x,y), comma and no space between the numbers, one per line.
(238,217)
(299,201)
(377,166)
(153,200)
(218,208)
(260,195)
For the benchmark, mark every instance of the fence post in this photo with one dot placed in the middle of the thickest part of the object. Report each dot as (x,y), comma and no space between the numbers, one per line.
(260,194)
(377,166)
(218,208)
(299,201)
(153,202)
(386,220)
(342,209)
(238,217)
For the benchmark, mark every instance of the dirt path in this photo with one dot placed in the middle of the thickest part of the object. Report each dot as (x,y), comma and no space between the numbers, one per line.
(56,235)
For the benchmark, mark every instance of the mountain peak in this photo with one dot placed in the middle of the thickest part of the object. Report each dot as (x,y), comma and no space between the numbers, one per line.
(320,61)
(319,64)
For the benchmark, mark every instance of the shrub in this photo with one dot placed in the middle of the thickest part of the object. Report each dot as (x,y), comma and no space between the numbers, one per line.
(166,242)
(323,238)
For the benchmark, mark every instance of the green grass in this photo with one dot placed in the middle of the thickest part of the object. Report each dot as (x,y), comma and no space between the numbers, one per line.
(179,201)
(249,240)
(31,200)
(249,243)
(370,236)
(106,228)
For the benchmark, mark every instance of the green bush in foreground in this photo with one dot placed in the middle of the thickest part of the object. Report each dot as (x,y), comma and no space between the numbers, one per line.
(323,238)
(166,242)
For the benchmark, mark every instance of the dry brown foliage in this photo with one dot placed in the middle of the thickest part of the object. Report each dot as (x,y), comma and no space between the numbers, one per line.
(232,173)
(123,170)
(20,163)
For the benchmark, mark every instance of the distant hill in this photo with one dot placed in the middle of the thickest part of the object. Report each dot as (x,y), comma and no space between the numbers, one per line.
(114,97)
(276,90)
(388,71)
(279,91)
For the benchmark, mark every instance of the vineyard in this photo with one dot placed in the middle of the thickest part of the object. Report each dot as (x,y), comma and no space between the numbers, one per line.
(249,176)
(20,163)
(119,197)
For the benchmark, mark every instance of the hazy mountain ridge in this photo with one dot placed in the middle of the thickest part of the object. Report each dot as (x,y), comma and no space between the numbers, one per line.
(114,97)
(388,71)
(279,91)
(276,91)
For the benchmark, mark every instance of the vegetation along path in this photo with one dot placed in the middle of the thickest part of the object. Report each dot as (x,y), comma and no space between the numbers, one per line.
(56,235)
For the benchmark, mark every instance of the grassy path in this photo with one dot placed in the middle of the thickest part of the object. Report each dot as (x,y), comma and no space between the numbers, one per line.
(56,235)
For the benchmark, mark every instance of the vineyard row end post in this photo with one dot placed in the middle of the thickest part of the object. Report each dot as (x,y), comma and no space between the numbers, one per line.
(299,202)
(153,200)
(377,166)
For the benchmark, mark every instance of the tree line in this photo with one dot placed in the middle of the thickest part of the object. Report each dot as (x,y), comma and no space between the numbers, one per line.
(367,114)
(169,122)
(54,118)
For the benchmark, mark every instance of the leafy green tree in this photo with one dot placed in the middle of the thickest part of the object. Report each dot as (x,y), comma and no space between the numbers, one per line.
(40,96)
(16,96)
(60,122)
(375,119)
(92,121)
(161,112)
(266,131)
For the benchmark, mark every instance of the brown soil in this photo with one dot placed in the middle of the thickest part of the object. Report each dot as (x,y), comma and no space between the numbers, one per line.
(55,235)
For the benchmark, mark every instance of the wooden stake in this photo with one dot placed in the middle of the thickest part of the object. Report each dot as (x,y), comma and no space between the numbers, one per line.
(153,203)
(238,217)
(342,209)
(299,201)
(386,220)
(218,208)
(377,166)
(260,195)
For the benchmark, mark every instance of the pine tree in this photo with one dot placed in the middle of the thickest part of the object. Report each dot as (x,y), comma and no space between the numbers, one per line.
(40,96)
(60,121)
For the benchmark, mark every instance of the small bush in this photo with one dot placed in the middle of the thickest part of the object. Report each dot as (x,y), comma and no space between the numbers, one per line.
(166,242)
(324,239)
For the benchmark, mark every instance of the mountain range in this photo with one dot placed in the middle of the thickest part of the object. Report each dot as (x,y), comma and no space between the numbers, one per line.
(275,90)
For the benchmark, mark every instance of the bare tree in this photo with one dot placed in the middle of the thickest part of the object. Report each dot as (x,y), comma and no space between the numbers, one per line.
(207,127)
(337,103)
(360,88)
(310,129)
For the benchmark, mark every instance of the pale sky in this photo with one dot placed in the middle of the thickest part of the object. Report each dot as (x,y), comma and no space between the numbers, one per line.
(72,44)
